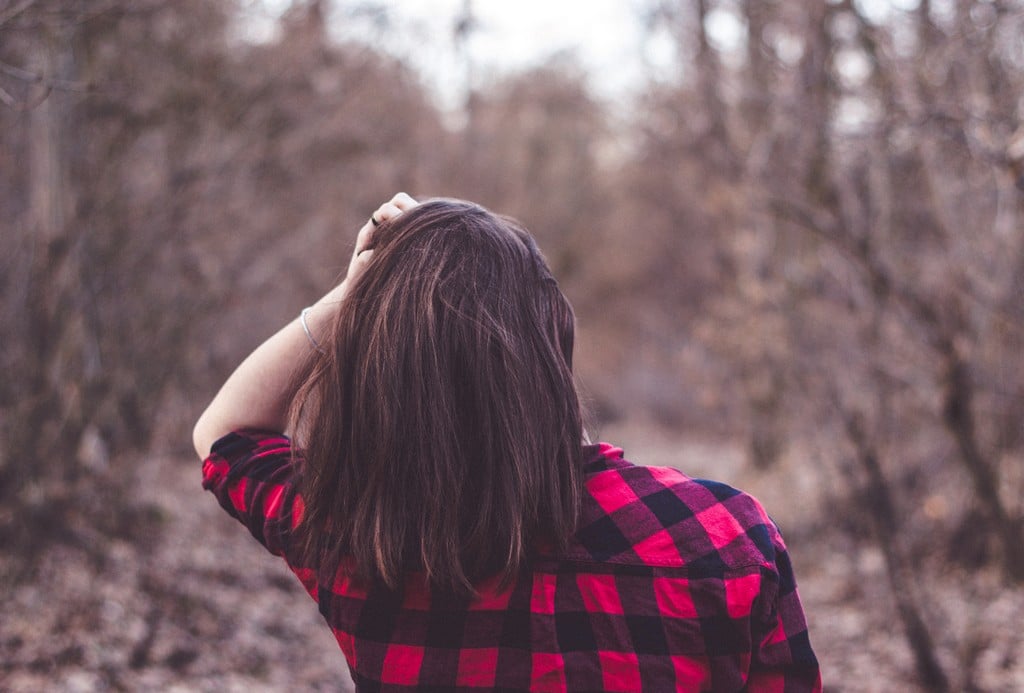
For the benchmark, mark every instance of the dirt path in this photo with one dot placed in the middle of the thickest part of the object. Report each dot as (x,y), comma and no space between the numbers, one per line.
(201,608)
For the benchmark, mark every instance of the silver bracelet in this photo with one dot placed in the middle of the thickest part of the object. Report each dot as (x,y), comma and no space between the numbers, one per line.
(305,327)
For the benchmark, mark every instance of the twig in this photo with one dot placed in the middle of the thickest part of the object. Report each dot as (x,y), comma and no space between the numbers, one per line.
(15,11)
(34,78)
(27,105)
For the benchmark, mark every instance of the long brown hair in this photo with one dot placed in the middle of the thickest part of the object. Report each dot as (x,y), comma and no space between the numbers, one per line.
(442,426)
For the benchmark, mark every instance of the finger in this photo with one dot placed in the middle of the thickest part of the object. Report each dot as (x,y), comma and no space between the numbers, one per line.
(387,212)
(364,239)
(359,263)
(403,201)
(365,236)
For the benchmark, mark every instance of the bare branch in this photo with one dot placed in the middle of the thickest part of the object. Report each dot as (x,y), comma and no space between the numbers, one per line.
(15,11)
(8,99)
(34,78)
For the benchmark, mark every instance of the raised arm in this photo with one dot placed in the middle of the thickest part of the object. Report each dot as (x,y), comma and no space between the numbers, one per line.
(258,394)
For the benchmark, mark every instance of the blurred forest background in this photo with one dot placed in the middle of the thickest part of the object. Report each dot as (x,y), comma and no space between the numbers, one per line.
(797,263)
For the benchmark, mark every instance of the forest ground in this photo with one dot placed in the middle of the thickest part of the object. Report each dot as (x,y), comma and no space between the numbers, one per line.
(193,604)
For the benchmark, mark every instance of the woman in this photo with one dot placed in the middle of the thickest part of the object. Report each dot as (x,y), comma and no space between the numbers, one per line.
(440,506)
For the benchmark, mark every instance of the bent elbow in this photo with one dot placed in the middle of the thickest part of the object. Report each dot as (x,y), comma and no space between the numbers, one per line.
(201,438)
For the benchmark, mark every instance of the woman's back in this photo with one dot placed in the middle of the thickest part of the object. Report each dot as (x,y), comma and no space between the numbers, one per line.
(670,583)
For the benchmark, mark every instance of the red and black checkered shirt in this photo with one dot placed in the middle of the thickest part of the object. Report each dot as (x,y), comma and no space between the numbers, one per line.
(671,583)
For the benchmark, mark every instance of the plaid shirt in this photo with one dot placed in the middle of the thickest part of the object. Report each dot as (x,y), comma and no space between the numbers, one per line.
(671,583)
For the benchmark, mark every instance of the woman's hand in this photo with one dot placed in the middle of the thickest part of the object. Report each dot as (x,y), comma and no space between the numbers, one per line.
(365,240)
(258,393)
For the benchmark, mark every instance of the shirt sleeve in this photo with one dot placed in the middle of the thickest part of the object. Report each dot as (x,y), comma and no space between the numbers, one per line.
(252,474)
(782,659)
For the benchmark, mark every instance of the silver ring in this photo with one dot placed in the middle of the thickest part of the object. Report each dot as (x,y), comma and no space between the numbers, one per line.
(373,220)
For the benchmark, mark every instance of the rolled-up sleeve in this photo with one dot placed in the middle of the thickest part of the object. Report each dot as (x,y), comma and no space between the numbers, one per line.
(782,659)
(252,474)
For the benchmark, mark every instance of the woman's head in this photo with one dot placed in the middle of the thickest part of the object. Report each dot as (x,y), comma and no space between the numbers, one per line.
(443,424)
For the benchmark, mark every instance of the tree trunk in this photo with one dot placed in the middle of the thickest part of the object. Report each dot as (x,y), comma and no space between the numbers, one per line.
(47,418)
(958,415)
(877,502)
